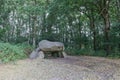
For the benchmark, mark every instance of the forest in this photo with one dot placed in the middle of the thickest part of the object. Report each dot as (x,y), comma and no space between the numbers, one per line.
(86,27)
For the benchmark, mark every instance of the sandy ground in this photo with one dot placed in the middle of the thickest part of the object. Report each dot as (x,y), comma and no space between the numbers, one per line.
(70,68)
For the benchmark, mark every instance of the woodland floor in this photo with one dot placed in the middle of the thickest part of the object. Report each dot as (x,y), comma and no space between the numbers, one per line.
(70,68)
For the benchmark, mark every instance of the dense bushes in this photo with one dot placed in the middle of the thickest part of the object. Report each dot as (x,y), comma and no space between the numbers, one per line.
(9,52)
(91,52)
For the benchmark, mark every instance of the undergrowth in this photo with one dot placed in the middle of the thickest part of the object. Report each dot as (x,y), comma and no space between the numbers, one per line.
(10,52)
(91,52)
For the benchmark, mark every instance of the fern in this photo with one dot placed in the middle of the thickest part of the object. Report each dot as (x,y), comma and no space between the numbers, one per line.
(9,52)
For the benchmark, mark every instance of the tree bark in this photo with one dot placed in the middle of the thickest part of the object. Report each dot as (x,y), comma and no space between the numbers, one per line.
(92,24)
(34,18)
(105,15)
(118,9)
(118,18)
(106,32)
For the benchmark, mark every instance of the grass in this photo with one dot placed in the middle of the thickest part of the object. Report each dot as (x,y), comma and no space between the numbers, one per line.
(10,52)
(91,52)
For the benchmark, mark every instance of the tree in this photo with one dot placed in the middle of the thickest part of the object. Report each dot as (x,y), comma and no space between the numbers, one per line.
(104,11)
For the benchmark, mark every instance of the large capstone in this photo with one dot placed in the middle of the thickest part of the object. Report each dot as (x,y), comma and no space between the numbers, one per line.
(46,46)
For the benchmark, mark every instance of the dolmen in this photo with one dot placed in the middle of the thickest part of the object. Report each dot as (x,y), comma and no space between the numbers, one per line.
(48,48)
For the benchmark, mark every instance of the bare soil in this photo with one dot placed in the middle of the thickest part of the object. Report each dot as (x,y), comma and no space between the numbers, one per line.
(69,68)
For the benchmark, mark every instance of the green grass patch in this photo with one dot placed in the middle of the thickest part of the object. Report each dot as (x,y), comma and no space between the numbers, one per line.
(91,52)
(86,52)
(114,55)
(10,52)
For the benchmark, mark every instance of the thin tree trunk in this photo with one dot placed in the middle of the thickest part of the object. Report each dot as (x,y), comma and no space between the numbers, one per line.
(106,32)
(34,27)
(92,24)
(29,35)
(105,15)
(79,27)
(118,9)
(118,16)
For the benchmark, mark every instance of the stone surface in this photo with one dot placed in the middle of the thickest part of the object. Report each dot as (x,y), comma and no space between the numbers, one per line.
(33,55)
(47,46)
(41,55)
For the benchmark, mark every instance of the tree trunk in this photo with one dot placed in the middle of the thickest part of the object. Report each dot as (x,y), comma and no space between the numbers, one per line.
(118,10)
(92,26)
(106,32)
(118,18)
(80,29)
(92,23)
(105,15)
(34,32)
(34,27)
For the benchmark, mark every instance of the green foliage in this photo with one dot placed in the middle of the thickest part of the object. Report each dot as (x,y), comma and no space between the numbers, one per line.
(91,52)
(100,53)
(86,52)
(26,48)
(73,22)
(9,52)
(20,39)
(114,55)
(2,32)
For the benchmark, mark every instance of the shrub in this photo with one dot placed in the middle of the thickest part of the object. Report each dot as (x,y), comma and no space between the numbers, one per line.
(86,52)
(9,52)
(27,48)
(100,53)
(114,55)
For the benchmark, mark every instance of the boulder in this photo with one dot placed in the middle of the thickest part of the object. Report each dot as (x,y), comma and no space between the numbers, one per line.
(41,55)
(33,55)
(46,46)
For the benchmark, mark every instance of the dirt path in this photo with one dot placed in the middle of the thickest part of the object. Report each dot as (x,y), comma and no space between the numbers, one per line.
(70,68)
